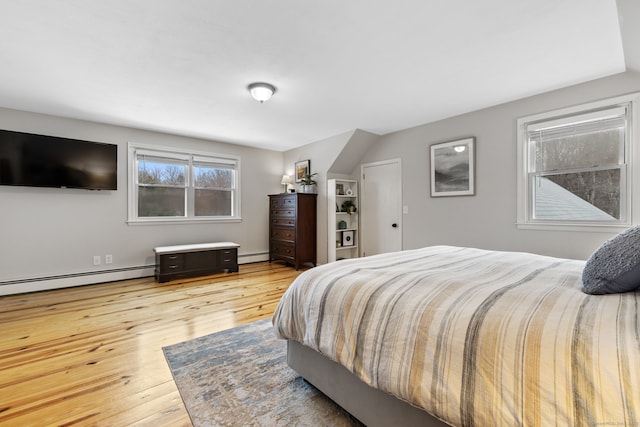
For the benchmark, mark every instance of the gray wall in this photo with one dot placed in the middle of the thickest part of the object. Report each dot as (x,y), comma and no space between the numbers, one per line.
(487,220)
(335,157)
(322,155)
(56,232)
(51,232)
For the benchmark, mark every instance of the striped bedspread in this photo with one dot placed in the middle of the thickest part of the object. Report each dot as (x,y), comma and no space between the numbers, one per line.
(475,337)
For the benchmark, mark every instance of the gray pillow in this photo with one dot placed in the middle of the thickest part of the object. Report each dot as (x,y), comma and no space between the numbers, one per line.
(615,266)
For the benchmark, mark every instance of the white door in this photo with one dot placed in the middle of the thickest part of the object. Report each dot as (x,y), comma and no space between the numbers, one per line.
(381,211)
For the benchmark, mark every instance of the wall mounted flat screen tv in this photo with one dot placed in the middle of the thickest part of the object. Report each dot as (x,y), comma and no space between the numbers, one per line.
(46,161)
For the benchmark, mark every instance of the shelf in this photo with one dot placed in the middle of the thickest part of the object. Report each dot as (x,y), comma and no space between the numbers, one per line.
(350,220)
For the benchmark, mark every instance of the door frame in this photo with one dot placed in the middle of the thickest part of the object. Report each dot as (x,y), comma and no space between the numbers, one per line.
(363,213)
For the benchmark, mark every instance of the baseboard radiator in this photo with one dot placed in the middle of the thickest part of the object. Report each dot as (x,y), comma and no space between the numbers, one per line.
(19,286)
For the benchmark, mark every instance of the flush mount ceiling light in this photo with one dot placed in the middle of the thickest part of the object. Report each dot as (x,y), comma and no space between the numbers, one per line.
(261,91)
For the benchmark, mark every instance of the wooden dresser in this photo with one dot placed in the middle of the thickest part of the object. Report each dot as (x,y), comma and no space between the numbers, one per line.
(292,228)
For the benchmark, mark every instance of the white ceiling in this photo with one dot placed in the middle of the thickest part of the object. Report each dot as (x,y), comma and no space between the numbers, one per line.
(182,66)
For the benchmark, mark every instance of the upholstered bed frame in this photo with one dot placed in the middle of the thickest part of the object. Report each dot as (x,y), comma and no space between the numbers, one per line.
(372,407)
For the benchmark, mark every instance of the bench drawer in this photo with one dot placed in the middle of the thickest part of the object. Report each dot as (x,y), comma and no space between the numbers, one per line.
(171,262)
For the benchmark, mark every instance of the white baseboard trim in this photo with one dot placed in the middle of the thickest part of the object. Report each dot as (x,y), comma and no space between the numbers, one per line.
(21,286)
(70,280)
(249,258)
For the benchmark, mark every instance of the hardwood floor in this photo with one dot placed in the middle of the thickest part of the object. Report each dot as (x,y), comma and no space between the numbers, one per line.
(92,355)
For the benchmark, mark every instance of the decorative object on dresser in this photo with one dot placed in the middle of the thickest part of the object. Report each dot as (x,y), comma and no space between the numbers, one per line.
(309,184)
(181,261)
(302,169)
(342,223)
(286,180)
(292,228)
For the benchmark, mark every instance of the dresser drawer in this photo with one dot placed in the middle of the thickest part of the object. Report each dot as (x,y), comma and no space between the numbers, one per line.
(283,221)
(283,233)
(283,213)
(283,249)
(284,202)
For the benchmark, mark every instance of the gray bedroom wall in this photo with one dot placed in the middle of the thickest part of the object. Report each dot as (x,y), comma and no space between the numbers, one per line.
(322,155)
(52,232)
(335,157)
(487,220)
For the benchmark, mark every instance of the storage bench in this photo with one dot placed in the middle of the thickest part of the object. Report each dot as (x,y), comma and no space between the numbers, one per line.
(201,259)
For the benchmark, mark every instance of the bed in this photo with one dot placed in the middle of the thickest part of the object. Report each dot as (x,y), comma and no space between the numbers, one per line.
(457,336)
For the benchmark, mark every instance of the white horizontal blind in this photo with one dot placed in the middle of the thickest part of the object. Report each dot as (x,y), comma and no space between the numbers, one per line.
(597,119)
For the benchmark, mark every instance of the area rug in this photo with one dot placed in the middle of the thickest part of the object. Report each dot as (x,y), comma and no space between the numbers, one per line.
(239,377)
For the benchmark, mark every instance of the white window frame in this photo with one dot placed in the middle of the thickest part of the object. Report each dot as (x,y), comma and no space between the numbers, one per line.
(169,152)
(630,205)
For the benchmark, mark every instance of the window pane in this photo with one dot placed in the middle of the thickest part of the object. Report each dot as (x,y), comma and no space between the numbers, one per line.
(587,196)
(213,177)
(162,173)
(161,201)
(581,150)
(213,202)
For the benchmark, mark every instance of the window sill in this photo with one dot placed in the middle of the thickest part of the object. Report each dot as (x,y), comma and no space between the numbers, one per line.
(174,221)
(593,228)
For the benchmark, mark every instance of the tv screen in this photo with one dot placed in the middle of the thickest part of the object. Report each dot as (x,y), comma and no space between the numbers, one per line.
(46,161)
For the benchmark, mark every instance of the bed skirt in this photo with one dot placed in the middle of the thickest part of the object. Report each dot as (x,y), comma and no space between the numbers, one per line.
(371,406)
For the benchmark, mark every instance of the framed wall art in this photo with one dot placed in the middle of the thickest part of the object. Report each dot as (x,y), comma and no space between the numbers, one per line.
(303,168)
(453,168)
(347,238)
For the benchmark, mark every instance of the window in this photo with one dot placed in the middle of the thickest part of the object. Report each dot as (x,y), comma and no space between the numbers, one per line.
(173,185)
(575,167)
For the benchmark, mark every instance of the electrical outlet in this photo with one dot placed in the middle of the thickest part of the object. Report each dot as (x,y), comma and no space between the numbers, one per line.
(96,260)
(108,259)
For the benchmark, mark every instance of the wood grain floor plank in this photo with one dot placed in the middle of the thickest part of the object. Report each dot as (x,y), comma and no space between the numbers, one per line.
(92,355)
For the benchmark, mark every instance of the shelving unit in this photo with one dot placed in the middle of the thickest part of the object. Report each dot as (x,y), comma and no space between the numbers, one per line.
(343,232)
